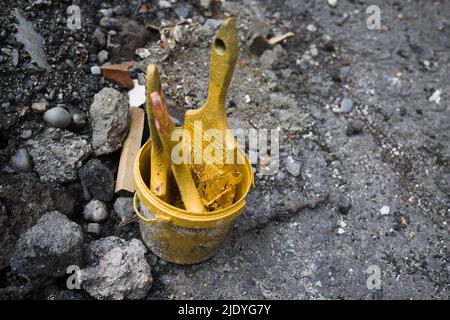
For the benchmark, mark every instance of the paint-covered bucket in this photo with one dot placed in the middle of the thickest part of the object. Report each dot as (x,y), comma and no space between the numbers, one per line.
(177,235)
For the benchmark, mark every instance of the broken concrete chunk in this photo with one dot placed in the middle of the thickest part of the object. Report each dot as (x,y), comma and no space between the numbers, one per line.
(110,121)
(49,247)
(58,154)
(98,179)
(117,269)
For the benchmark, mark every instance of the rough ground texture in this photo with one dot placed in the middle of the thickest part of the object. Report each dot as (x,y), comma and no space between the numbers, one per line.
(315,229)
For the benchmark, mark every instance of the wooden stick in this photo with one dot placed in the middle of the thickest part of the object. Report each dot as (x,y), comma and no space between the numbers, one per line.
(131,146)
(273,41)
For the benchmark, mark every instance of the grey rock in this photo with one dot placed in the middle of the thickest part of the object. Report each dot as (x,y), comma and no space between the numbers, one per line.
(57,117)
(213,23)
(110,23)
(163,4)
(95,211)
(93,228)
(292,166)
(21,160)
(343,205)
(123,206)
(276,58)
(96,70)
(117,269)
(152,259)
(26,134)
(87,195)
(118,10)
(49,247)
(183,10)
(99,38)
(110,120)
(58,154)
(106,12)
(78,117)
(31,40)
(102,56)
(15,57)
(98,179)
(346,105)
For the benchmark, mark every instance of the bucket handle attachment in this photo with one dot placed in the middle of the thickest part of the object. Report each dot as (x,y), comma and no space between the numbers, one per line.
(158,218)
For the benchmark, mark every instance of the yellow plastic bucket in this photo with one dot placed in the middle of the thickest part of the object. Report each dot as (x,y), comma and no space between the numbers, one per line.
(177,235)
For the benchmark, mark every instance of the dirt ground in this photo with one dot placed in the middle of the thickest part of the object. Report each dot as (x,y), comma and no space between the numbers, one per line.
(319,233)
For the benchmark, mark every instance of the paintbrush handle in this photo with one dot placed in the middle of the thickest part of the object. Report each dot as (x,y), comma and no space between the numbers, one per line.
(223,60)
(181,171)
(160,165)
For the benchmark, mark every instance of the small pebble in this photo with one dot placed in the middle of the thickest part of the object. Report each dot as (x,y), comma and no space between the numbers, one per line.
(343,206)
(311,28)
(333,3)
(26,134)
(123,206)
(95,211)
(78,118)
(292,166)
(164,4)
(436,97)
(247,99)
(95,70)
(102,56)
(152,259)
(39,106)
(346,105)
(342,224)
(21,161)
(93,228)
(385,210)
(57,117)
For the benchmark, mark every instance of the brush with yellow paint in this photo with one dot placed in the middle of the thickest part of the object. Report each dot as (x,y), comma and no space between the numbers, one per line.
(216,180)
(160,163)
(181,171)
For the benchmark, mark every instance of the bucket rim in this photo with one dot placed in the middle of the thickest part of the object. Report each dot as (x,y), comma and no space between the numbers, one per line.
(145,194)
